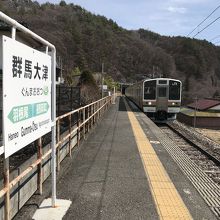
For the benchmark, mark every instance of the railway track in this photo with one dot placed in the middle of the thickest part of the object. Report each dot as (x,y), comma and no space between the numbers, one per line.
(197,147)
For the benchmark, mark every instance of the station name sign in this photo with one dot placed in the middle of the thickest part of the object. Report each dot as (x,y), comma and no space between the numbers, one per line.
(26,95)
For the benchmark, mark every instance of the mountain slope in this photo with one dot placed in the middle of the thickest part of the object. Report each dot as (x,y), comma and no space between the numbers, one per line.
(86,40)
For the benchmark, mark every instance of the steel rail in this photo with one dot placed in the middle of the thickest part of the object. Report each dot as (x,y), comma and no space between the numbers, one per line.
(203,151)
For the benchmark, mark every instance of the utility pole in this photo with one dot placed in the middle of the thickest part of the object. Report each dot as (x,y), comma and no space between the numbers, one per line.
(113,96)
(102,79)
(195,109)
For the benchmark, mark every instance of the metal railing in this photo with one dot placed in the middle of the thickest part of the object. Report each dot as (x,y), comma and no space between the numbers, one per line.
(80,122)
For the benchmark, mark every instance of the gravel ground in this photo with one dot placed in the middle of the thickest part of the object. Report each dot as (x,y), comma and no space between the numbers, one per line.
(201,135)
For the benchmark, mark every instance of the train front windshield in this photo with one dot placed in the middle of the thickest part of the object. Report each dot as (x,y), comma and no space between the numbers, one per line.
(150,90)
(174,90)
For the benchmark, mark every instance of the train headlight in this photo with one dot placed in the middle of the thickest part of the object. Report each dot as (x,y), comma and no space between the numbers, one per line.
(149,103)
(173,103)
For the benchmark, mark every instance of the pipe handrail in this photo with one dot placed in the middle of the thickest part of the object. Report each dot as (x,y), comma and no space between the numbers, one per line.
(38,161)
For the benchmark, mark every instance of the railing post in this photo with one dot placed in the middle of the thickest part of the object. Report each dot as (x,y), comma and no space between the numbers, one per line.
(100,109)
(84,124)
(91,121)
(78,131)
(93,117)
(88,117)
(39,166)
(6,184)
(58,148)
(80,122)
(97,114)
(70,138)
(95,109)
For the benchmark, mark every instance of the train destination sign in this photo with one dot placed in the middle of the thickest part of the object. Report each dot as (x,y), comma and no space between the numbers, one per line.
(26,95)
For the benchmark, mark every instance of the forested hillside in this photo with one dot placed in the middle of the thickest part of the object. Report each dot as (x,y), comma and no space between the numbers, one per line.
(197,62)
(86,41)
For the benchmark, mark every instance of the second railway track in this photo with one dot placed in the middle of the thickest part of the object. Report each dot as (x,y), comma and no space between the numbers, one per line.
(204,154)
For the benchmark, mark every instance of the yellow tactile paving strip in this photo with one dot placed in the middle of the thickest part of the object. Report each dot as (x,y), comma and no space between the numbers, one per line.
(168,201)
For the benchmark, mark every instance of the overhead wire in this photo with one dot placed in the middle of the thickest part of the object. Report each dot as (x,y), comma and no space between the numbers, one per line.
(206,26)
(204,20)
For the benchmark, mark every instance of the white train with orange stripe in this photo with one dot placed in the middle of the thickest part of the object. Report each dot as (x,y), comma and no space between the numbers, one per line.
(159,98)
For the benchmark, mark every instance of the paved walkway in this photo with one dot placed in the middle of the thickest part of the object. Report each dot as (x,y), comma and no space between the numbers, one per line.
(107,179)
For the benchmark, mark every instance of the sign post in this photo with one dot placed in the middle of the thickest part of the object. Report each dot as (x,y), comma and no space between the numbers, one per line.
(53,164)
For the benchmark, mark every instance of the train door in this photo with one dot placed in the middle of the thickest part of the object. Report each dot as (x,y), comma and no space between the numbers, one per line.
(162,99)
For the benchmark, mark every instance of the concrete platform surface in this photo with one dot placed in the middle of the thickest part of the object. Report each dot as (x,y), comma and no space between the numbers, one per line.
(46,212)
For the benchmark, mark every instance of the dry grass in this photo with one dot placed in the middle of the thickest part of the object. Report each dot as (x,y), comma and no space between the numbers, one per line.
(210,133)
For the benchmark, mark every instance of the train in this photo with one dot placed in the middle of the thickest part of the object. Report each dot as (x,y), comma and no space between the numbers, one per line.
(159,98)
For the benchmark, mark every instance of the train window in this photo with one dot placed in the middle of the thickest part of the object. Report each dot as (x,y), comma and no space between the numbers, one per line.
(162,92)
(174,90)
(150,89)
(162,81)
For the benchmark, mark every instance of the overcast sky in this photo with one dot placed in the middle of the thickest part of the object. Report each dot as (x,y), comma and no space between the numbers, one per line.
(166,17)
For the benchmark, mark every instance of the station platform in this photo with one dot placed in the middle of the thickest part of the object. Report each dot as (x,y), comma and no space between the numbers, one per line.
(123,171)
